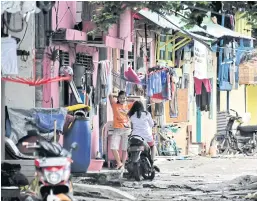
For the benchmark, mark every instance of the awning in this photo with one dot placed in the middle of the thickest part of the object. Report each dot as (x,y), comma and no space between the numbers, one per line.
(178,24)
(219,31)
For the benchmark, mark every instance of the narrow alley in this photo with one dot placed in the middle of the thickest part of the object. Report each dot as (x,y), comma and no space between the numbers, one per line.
(128,100)
(195,178)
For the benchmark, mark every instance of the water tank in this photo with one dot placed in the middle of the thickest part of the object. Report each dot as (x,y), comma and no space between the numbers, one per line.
(79,132)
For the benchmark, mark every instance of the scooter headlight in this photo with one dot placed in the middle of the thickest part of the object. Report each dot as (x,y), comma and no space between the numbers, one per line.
(54,177)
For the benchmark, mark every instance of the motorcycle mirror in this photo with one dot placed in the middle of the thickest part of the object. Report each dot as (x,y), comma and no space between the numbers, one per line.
(74,145)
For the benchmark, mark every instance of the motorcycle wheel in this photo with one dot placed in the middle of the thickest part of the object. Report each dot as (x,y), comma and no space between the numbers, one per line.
(147,176)
(251,152)
(222,146)
(137,171)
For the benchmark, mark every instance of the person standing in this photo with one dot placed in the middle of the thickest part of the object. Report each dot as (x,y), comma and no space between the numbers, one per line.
(122,127)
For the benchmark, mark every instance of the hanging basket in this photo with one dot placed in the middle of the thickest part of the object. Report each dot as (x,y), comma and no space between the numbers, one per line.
(35,82)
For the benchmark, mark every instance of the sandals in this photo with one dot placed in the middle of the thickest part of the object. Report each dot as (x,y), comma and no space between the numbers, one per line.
(119,168)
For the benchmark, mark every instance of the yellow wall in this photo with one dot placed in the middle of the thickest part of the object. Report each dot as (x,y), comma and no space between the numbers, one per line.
(251,98)
(241,25)
(236,100)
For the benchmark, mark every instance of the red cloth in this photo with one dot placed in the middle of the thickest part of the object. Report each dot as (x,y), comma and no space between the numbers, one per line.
(131,75)
(198,85)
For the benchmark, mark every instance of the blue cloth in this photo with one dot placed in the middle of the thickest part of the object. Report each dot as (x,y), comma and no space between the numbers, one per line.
(157,83)
(224,78)
(164,84)
(45,122)
(150,86)
(164,77)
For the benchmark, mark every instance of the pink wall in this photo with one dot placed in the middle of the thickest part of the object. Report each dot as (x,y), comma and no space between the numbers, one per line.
(125,29)
(67,20)
(66,14)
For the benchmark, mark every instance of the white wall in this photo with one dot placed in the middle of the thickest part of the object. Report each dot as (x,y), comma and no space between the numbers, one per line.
(237,100)
(20,95)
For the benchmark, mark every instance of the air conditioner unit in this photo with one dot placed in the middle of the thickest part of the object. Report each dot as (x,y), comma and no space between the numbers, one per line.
(68,35)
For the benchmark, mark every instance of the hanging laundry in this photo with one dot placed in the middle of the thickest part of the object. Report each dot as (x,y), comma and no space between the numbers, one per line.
(200,57)
(97,92)
(199,83)
(140,62)
(203,100)
(9,64)
(159,109)
(203,90)
(168,86)
(173,103)
(131,76)
(157,82)
(103,76)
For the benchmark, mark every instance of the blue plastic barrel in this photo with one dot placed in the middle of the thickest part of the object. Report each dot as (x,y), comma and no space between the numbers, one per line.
(79,132)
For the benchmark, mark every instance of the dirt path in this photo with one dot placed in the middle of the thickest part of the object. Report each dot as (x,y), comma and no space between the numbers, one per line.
(198,179)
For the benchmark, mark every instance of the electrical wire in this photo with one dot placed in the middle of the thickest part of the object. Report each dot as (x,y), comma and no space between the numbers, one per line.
(23,35)
(61,19)
(74,19)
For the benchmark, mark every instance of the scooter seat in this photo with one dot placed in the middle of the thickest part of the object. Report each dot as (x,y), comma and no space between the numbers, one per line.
(13,151)
(49,149)
(247,129)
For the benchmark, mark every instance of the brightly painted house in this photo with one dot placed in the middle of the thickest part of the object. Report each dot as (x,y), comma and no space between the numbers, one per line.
(240,99)
(70,50)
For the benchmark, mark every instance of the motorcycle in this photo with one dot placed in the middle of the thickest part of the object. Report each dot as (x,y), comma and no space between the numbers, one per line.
(237,138)
(53,167)
(139,161)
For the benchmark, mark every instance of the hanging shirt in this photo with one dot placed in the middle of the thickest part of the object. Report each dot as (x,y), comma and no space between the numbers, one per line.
(142,126)
(9,64)
(157,82)
(150,85)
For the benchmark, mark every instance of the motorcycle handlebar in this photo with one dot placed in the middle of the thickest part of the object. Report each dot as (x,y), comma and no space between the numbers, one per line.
(235,112)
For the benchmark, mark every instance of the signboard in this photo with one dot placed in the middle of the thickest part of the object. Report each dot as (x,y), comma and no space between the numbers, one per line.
(200,60)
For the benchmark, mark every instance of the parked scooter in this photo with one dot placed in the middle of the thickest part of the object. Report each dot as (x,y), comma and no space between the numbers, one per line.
(140,163)
(237,138)
(53,167)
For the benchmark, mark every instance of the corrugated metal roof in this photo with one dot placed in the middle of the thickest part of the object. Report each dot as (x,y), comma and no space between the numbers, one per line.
(219,31)
(159,20)
(212,29)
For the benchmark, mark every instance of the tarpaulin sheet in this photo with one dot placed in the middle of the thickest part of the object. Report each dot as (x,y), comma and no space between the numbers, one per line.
(40,119)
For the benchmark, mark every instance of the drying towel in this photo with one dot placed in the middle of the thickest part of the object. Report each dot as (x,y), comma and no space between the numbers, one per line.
(103,72)
(9,64)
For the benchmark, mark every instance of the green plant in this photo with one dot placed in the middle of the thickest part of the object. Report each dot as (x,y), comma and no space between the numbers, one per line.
(108,12)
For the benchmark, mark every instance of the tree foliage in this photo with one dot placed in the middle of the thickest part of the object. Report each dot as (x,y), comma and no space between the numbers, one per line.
(108,12)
